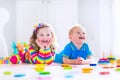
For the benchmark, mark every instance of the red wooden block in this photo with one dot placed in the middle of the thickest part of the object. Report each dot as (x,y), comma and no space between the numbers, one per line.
(104,73)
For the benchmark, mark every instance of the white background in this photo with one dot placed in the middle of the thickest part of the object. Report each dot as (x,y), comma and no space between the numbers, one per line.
(95,15)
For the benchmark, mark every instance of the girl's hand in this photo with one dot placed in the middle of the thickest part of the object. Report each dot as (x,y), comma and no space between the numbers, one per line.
(39,44)
(42,45)
(48,44)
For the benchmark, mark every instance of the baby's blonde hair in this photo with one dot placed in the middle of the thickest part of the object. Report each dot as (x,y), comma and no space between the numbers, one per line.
(76,26)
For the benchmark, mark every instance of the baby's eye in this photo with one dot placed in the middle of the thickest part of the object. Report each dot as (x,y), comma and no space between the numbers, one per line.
(83,32)
(78,32)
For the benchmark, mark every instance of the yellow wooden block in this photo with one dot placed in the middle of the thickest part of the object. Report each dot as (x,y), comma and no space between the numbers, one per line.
(1,61)
(87,70)
(39,65)
(65,65)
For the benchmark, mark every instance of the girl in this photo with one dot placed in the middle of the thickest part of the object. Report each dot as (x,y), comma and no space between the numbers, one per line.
(42,43)
(42,46)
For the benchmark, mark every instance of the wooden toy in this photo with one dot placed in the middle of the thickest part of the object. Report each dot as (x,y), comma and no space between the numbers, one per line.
(103,60)
(68,75)
(39,69)
(104,73)
(7,73)
(67,68)
(111,58)
(93,64)
(118,61)
(65,65)
(44,73)
(108,66)
(117,69)
(39,65)
(87,70)
(15,59)
(19,75)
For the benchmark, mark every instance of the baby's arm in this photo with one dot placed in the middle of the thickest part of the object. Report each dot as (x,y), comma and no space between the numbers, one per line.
(88,60)
(72,61)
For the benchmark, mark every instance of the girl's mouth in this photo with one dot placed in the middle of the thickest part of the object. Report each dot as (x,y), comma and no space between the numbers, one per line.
(45,41)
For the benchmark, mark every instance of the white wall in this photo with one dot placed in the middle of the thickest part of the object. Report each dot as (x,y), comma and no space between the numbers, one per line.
(97,17)
(62,14)
(10,27)
(94,15)
(88,16)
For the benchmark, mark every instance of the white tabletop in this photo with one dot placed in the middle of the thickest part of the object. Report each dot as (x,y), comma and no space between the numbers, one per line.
(56,73)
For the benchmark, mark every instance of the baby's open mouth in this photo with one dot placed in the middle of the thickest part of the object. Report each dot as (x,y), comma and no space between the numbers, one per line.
(81,38)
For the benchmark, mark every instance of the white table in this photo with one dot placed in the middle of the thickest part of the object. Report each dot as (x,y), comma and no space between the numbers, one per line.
(57,73)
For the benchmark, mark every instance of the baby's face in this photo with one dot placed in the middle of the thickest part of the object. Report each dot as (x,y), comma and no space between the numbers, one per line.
(78,36)
(44,36)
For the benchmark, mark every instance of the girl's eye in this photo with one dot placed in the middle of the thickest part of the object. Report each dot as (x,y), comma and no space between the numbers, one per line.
(48,35)
(41,35)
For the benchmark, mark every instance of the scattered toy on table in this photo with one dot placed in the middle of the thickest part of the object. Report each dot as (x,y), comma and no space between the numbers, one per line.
(65,65)
(44,78)
(69,75)
(7,73)
(118,66)
(103,60)
(111,58)
(108,66)
(87,70)
(1,60)
(19,75)
(117,62)
(67,68)
(44,73)
(117,69)
(39,67)
(93,64)
(104,73)
(4,60)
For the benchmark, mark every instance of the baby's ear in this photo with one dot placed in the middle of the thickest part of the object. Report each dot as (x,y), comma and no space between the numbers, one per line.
(70,37)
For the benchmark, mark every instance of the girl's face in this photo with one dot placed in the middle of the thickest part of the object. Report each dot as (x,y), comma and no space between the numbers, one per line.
(44,36)
(78,36)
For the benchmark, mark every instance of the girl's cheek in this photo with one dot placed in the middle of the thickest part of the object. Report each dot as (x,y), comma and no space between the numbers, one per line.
(38,40)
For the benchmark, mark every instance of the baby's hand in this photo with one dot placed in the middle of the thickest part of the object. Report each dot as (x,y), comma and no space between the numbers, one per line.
(79,61)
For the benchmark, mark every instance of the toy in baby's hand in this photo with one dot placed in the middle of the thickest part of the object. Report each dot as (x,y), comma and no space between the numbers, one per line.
(18,52)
